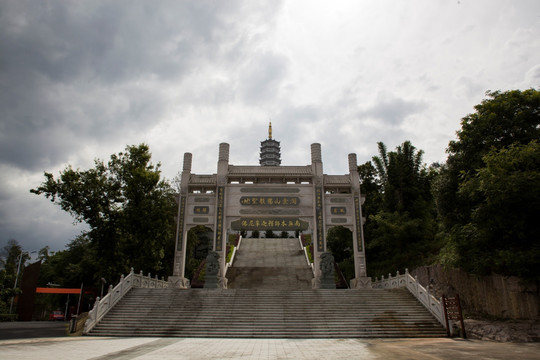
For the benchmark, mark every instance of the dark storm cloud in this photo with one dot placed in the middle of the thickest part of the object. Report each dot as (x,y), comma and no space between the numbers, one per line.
(78,77)
(76,72)
(108,41)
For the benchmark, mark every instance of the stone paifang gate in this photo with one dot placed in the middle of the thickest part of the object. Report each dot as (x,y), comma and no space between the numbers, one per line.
(269,197)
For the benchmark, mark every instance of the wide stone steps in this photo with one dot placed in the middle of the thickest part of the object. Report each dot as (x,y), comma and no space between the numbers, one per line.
(269,314)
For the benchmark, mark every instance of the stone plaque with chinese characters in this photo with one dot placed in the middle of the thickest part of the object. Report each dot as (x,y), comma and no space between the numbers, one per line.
(270,200)
(201,210)
(338,210)
(269,223)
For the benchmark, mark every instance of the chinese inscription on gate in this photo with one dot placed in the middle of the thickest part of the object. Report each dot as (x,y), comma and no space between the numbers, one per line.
(358,221)
(319,220)
(220,219)
(181,213)
(269,223)
(270,200)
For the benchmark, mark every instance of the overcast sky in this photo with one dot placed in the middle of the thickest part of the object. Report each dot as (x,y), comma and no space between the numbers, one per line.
(81,80)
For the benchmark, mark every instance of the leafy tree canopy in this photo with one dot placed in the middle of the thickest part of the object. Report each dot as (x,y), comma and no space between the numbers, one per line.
(487,192)
(503,119)
(129,209)
(10,256)
(399,208)
(502,235)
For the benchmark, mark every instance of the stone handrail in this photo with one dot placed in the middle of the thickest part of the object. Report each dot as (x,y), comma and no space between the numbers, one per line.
(411,283)
(102,306)
(230,263)
(310,264)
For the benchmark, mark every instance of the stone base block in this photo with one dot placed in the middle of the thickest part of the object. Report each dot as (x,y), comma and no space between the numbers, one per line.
(361,283)
(222,282)
(322,283)
(215,283)
(178,282)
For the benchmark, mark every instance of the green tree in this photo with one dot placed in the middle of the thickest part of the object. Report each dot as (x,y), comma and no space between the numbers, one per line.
(400,228)
(199,243)
(502,235)
(370,187)
(503,119)
(484,191)
(129,209)
(340,242)
(10,257)
(404,180)
(70,267)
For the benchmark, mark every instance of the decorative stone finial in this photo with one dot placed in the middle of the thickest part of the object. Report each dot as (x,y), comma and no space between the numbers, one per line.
(353,165)
(224,152)
(270,131)
(316,153)
(187,161)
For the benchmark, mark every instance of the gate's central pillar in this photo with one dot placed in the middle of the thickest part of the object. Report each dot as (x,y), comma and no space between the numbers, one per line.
(361,280)
(178,280)
(319,245)
(220,241)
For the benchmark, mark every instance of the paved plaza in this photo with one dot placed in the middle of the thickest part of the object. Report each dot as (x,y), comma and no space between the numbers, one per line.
(181,348)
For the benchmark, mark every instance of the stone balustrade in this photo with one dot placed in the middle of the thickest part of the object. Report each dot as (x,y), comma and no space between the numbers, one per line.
(434,305)
(102,306)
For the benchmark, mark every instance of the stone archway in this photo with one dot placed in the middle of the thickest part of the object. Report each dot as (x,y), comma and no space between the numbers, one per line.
(280,198)
(340,242)
(198,244)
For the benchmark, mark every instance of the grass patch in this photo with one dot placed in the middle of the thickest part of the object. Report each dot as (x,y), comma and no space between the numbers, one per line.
(81,319)
(309,251)
(230,251)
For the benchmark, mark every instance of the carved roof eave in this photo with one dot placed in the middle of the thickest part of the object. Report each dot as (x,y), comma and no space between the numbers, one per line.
(337,180)
(278,171)
(203,179)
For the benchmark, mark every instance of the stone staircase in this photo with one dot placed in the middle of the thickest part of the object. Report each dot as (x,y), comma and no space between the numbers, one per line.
(270,264)
(269,296)
(269,314)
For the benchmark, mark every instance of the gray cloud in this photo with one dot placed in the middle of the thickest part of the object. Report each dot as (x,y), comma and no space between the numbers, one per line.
(70,71)
(262,77)
(391,110)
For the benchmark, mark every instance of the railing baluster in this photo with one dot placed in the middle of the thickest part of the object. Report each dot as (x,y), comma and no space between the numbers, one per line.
(103,305)
(422,294)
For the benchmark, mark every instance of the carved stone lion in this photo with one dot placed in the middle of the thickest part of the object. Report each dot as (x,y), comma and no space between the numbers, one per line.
(212,263)
(327,265)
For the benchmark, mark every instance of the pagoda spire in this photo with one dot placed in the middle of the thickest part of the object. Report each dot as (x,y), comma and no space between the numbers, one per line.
(270,150)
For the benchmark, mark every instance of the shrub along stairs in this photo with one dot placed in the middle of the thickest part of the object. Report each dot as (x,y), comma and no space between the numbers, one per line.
(281,305)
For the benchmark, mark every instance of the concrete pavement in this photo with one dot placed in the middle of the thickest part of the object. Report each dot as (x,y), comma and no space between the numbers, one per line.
(181,348)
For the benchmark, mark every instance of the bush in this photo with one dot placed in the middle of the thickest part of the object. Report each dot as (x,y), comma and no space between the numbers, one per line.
(309,251)
(230,250)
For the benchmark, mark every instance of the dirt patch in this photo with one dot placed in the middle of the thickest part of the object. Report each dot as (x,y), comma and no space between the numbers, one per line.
(503,331)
